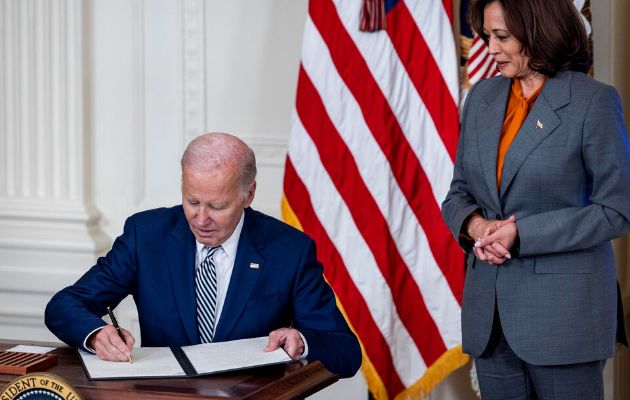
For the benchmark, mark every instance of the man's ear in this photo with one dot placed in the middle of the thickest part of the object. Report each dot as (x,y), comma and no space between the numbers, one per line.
(249,197)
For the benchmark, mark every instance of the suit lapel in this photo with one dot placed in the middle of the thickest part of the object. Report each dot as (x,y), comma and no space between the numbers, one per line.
(244,277)
(541,121)
(181,259)
(489,131)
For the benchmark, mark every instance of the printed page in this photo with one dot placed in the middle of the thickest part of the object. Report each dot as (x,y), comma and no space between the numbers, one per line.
(209,358)
(147,362)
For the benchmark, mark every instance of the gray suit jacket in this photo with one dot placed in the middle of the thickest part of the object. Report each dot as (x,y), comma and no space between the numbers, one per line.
(566,178)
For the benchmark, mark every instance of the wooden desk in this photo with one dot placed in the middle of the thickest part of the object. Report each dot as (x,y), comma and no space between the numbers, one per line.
(286,381)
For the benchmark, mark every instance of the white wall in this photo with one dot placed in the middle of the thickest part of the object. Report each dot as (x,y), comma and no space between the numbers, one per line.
(164,71)
(99,98)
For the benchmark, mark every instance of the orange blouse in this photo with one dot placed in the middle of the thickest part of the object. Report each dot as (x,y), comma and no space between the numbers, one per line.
(517,109)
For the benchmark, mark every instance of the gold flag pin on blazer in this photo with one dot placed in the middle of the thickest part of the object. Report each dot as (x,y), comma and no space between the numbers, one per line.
(539,124)
(254,265)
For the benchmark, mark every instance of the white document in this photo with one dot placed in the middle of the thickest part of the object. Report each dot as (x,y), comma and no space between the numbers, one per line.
(151,362)
(209,358)
(31,349)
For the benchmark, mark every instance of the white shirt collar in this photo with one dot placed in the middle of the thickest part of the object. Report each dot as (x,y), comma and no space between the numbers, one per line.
(231,244)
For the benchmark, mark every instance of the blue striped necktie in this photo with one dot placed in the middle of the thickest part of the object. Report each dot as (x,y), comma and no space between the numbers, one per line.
(206,289)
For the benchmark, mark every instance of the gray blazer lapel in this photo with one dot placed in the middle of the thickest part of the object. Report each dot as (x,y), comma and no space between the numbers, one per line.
(489,131)
(540,123)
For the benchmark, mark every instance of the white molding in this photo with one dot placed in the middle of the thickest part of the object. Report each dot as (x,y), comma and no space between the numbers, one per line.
(139,80)
(19,316)
(24,323)
(46,224)
(194,68)
(4,150)
(3,89)
(44,204)
(10,82)
(44,96)
(25,96)
(41,280)
(47,210)
(66,245)
(59,97)
(76,128)
(271,151)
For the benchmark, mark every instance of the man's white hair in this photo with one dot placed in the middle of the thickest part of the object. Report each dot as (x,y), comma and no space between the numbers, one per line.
(216,151)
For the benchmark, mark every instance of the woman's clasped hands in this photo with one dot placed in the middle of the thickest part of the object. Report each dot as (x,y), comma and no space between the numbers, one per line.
(493,238)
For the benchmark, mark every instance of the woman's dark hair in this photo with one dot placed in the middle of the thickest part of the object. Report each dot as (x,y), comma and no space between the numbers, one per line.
(551,31)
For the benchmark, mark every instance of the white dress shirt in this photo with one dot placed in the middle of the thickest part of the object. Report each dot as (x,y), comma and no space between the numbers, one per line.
(224,261)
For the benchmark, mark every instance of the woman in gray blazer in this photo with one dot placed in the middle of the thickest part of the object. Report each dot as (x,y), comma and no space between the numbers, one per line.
(541,186)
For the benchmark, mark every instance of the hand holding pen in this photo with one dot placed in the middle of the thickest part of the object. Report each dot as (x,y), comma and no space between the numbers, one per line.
(111,343)
(119,330)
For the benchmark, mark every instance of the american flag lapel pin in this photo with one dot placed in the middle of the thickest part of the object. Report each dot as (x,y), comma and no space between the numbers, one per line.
(539,124)
(254,265)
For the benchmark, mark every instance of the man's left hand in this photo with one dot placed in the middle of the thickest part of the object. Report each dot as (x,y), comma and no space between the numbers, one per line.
(287,338)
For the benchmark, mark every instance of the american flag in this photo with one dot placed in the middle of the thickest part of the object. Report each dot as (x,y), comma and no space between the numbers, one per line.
(370,159)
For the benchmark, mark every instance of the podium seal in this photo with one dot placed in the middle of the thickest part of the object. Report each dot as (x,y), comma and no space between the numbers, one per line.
(39,386)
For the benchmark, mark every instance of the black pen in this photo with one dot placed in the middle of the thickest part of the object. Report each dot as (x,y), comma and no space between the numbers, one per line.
(115,323)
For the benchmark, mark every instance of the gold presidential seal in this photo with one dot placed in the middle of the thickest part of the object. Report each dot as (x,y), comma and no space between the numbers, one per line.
(39,386)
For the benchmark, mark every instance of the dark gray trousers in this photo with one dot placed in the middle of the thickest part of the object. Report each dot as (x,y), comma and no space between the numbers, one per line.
(503,375)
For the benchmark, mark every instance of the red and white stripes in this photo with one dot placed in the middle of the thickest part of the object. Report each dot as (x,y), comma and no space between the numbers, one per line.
(370,158)
(480,63)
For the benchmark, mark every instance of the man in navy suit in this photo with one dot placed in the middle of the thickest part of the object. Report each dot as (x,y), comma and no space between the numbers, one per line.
(269,281)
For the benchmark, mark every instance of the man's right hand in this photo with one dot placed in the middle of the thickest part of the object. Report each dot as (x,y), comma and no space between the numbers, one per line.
(109,346)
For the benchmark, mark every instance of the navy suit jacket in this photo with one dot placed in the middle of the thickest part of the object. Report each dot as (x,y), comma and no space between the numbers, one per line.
(154,261)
